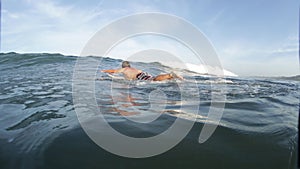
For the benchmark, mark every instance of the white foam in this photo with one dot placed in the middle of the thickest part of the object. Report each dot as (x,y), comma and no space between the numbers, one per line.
(206,69)
(200,68)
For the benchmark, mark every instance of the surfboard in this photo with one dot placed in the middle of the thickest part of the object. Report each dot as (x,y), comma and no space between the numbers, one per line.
(115,77)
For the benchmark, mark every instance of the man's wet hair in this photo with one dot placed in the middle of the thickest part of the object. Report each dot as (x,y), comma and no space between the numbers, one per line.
(125,64)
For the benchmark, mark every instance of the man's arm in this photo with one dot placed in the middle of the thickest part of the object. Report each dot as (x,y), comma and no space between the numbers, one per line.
(112,71)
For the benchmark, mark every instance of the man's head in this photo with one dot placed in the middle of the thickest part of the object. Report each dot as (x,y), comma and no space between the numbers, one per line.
(125,64)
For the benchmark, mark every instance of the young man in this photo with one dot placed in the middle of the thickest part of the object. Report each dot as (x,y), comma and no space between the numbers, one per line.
(131,73)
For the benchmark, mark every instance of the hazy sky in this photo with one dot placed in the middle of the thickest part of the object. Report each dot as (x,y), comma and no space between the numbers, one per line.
(257,37)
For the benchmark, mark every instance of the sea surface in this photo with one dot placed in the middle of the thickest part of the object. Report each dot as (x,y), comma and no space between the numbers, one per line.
(39,127)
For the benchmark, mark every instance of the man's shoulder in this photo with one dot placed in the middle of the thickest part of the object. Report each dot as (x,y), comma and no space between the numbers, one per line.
(121,70)
(130,69)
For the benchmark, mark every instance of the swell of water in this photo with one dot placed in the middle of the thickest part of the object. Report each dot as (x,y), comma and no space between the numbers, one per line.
(39,127)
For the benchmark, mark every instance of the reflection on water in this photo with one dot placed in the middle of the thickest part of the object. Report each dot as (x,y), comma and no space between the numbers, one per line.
(119,105)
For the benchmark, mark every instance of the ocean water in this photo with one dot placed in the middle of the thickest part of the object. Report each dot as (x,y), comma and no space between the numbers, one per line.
(39,127)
